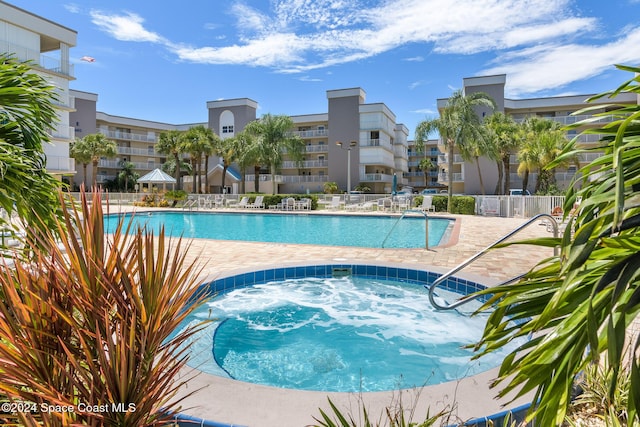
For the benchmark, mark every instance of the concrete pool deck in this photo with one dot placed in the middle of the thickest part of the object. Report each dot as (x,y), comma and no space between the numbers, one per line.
(234,402)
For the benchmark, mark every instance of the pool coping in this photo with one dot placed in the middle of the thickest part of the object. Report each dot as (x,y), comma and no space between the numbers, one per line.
(467,397)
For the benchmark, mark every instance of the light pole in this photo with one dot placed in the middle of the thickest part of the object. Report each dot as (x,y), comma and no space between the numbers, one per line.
(351,145)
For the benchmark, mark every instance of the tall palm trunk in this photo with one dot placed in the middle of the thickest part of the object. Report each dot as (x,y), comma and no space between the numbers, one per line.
(95,173)
(500,178)
(507,174)
(194,169)
(273,179)
(206,174)
(525,180)
(479,174)
(177,172)
(450,177)
(84,170)
(256,178)
(225,166)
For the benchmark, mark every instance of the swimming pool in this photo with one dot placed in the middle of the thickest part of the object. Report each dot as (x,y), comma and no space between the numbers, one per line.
(372,329)
(335,230)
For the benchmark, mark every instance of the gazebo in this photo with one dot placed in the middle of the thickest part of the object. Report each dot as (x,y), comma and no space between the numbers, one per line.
(157,176)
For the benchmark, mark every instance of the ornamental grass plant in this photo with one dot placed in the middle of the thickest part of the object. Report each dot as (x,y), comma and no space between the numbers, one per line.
(86,323)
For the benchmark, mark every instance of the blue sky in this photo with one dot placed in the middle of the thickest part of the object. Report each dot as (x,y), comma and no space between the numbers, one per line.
(163,60)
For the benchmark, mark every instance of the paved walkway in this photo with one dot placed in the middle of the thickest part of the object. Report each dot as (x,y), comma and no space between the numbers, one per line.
(230,401)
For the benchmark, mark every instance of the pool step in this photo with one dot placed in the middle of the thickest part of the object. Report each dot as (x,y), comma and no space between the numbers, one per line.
(340,271)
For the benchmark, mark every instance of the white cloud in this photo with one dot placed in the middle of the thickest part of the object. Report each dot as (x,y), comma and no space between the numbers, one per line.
(534,41)
(72,7)
(426,111)
(125,27)
(555,65)
(309,79)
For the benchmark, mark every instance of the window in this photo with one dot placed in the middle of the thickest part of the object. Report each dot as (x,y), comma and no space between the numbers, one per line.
(227,129)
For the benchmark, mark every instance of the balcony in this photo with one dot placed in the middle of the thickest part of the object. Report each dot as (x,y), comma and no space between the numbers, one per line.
(376,177)
(128,136)
(317,148)
(306,164)
(137,151)
(61,164)
(117,164)
(444,177)
(63,132)
(264,177)
(312,133)
(294,179)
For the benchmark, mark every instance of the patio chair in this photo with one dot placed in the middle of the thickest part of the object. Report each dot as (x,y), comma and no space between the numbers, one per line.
(289,204)
(304,203)
(257,203)
(218,201)
(427,204)
(241,204)
(335,203)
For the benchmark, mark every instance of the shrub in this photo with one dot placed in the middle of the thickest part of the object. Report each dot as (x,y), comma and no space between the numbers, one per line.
(465,205)
(90,319)
(175,196)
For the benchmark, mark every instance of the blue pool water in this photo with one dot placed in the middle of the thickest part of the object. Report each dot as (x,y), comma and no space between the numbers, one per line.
(336,230)
(345,334)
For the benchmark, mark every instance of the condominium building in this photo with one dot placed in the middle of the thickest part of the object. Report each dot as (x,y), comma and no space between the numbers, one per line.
(466,178)
(46,44)
(353,143)
(135,139)
(365,135)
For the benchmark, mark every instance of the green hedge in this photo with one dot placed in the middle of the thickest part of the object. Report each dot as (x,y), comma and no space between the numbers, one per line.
(274,199)
(465,205)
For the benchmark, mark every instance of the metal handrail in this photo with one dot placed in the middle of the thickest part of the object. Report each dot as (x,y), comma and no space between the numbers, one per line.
(463,264)
(426,226)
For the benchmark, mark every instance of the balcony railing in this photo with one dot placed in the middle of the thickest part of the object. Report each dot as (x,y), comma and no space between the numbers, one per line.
(60,164)
(25,53)
(129,136)
(376,177)
(264,177)
(118,164)
(137,151)
(63,132)
(444,177)
(293,179)
(312,133)
(305,164)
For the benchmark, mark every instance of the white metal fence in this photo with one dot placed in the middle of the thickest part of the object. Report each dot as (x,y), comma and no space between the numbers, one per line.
(502,206)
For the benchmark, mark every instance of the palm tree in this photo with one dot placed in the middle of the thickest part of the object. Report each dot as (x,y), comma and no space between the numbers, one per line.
(425,166)
(502,132)
(95,146)
(543,140)
(458,124)
(169,144)
(208,149)
(76,151)
(247,155)
(273,136)
(195,142)
(227,150)
(127,172)
(27,113)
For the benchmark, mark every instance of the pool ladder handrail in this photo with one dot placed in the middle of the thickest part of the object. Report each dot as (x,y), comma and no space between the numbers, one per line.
(465,263)
(426,226)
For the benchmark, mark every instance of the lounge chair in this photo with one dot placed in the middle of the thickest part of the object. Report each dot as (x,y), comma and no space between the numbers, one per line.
(335,203)
(257,203)
(241,204)
(427,204)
